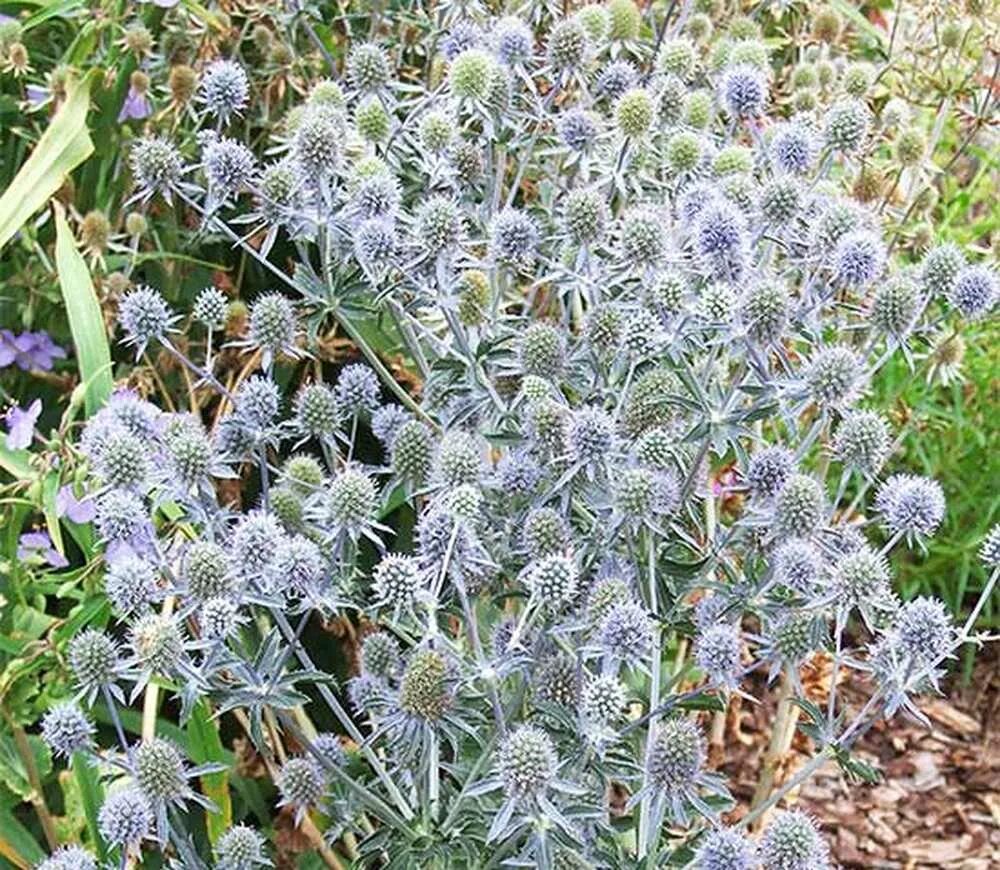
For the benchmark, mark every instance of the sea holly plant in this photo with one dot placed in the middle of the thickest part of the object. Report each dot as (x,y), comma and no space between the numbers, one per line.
(645,306)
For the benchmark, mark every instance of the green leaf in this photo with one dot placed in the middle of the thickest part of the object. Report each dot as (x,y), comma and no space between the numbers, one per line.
(91,796)
(16,843)
(85,320)
(12,769)
(64,145)
(204,745)
(14,462)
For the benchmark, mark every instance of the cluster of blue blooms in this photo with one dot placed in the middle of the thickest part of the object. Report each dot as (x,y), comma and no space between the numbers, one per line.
(615,270)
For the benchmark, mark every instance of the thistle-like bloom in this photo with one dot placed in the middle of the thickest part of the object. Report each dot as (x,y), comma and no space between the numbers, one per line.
(726,849)
(911,505)
(241,848)
(301,786)
(718,652)
(144,316)
(835,377)
(974,292)
(743,91)
(769,470)
(69,858)
(125,818)
(793,842)
(65,729)
(513,239)
(675,772)
(224,90)
(157,167)
(862,441)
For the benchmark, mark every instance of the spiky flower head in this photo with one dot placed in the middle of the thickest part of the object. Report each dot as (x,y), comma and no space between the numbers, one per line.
(626,631)
(514,41)
(643,240)
(130,584)
(794,146)
(316,410)
(396,579)
(726,849)
(526,761)
(940,268)
(896,306)
(258,400)
(425,691)
(577,129)
(792,842)
(160,770)
(368,67)
(438,225)
(357,390)
(718,652)
(799,507)
(121,516)
(557,679)
(65,729)
(677,756)
(156,165)
(911,505)
(989,552)
(412,451)
(224,89)
(125,818)
(743,91)
(93,659)
(317,145)
(834,377)
(591,434)
(974,292)
(542,350)
(585,216)
(219,618)
(798,565)
(351,499)
(471,75)
(157,642)
(300,784)
(380,655)
(861,578)
(387,421)
(69,858)
(513,239)
(859,258)
(769,470)
(123,460)
(568,45)
(924,630)
(603,699)
(240,848)
(273,323)
(144,316)
(210,308)
(862,441)
(205,570)
(553,580)
(764,312)
(544,533)
(634,113)
(230,167)
(847,124)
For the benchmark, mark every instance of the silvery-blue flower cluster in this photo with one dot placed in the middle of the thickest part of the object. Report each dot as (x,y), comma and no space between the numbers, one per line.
(645,312)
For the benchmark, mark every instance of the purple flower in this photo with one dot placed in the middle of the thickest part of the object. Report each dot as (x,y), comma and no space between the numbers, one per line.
(76,510)
(136,105)
(28,350)
(21,425)
(37,95)
(39,545)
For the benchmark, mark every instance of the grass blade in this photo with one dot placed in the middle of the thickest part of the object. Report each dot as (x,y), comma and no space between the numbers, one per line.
(85,320)
(64,145)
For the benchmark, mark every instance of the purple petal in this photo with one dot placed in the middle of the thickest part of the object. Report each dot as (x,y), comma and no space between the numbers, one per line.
(21,425)
(76,510)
